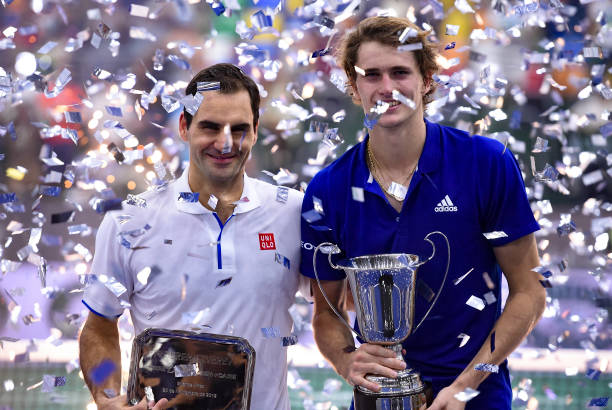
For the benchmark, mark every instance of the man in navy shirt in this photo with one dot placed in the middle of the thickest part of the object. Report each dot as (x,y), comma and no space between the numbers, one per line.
(410,177)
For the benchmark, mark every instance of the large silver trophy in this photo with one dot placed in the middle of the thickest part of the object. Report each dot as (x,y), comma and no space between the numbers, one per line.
(384,289)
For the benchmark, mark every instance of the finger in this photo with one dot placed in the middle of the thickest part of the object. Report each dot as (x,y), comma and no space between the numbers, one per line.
(160,405)
(376,350)
(361,359)
(360,381)
(361,369)
(395,364)
(142,405)
(435,406)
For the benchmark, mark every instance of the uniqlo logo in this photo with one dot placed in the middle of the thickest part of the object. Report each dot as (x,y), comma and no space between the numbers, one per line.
(266,241)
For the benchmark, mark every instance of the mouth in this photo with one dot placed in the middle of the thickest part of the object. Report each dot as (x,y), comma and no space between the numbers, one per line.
(392,105)
(221,158)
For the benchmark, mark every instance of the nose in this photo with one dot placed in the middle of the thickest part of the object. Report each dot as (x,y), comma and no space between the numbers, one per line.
(386,84)
(223,140)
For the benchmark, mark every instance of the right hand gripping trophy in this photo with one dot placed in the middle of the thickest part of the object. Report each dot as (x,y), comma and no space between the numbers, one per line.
(383,288)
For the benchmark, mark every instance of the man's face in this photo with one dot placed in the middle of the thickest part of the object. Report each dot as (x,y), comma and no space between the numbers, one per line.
(220,137)
(387,69)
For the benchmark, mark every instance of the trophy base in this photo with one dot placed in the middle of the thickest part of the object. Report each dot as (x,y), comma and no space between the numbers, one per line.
(364,401)
(407,392)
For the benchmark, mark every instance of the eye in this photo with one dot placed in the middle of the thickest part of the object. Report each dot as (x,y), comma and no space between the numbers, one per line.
(400,73)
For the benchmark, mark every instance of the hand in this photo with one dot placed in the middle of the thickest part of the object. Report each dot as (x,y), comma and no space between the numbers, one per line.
(120,402)
(445,400)
(370,359)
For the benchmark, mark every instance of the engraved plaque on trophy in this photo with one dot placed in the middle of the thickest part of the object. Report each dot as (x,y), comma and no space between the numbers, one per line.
(192,370)
(383,289)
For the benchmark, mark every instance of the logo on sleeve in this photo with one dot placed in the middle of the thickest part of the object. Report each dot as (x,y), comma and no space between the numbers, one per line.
(266,241)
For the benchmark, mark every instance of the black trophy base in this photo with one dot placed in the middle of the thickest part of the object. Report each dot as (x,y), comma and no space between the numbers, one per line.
(416,401)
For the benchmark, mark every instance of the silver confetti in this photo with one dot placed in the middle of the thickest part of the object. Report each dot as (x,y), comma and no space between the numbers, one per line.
(475,302)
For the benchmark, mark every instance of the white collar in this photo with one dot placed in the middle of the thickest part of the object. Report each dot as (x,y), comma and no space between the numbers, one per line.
(249,199)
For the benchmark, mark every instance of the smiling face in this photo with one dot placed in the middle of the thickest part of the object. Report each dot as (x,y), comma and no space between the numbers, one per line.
(220,137)
(387,69)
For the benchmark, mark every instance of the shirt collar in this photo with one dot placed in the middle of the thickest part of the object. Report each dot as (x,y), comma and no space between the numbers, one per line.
(428,162)
(249,199)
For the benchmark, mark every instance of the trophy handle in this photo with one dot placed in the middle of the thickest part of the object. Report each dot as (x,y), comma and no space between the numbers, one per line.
(334,249)
(445,273)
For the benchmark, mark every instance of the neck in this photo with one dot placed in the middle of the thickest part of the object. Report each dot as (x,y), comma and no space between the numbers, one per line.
(226,193)
(398,149)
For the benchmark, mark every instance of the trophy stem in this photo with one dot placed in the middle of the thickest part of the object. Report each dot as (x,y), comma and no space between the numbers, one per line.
(406,392)
(397,348)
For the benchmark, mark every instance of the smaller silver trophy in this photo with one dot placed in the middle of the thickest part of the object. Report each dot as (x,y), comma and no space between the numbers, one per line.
(192,370)
(384,289)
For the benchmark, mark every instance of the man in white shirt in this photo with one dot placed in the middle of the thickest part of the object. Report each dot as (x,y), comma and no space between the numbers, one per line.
(215,249)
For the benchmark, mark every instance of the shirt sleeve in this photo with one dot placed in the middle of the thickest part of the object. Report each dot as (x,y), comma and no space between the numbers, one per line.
(108,271)
(506,206)
(317,228)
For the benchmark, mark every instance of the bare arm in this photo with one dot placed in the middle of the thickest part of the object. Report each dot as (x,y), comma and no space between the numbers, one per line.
(336,343)
(99,341)
(525,304)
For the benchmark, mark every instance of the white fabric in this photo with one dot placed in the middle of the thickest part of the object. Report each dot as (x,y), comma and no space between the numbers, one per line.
(258,296)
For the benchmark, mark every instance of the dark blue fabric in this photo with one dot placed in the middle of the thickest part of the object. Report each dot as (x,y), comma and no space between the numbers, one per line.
(483,181)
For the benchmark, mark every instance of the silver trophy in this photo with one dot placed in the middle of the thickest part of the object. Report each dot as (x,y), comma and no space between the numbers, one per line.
(384,289)
(192,370)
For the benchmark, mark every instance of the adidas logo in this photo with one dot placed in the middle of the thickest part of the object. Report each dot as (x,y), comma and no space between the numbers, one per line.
(446,205)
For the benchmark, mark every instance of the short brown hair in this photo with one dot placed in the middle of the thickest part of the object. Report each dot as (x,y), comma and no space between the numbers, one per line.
(231,80)
(387,30)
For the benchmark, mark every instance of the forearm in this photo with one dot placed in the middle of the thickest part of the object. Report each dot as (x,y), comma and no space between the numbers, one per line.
(519,317)
(333,339)
(96,346)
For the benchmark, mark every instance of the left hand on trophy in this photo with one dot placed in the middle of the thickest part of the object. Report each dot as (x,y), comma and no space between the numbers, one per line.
(445,400)
(370,359)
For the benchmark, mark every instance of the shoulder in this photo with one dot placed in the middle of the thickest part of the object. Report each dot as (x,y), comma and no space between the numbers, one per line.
(140,209)
(465,140)
(478,149)
(270,194)
(335,173)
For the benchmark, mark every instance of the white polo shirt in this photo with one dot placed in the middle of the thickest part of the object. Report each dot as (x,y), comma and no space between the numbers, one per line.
(237,277)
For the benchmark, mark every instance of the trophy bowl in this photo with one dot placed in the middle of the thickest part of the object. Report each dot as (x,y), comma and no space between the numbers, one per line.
(383,288)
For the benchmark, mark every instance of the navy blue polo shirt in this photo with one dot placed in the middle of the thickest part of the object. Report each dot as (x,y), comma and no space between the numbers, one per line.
(464,186)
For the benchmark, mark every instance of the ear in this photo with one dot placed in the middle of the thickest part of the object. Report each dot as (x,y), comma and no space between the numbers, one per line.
(427,81)
(352,90)
(255,131)
(183,127)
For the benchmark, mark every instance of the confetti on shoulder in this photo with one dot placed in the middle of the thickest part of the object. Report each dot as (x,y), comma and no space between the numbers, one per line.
(188,197)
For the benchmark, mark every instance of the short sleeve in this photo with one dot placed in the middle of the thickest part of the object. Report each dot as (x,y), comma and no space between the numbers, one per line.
(108,263)
(505,206)
(317,228)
